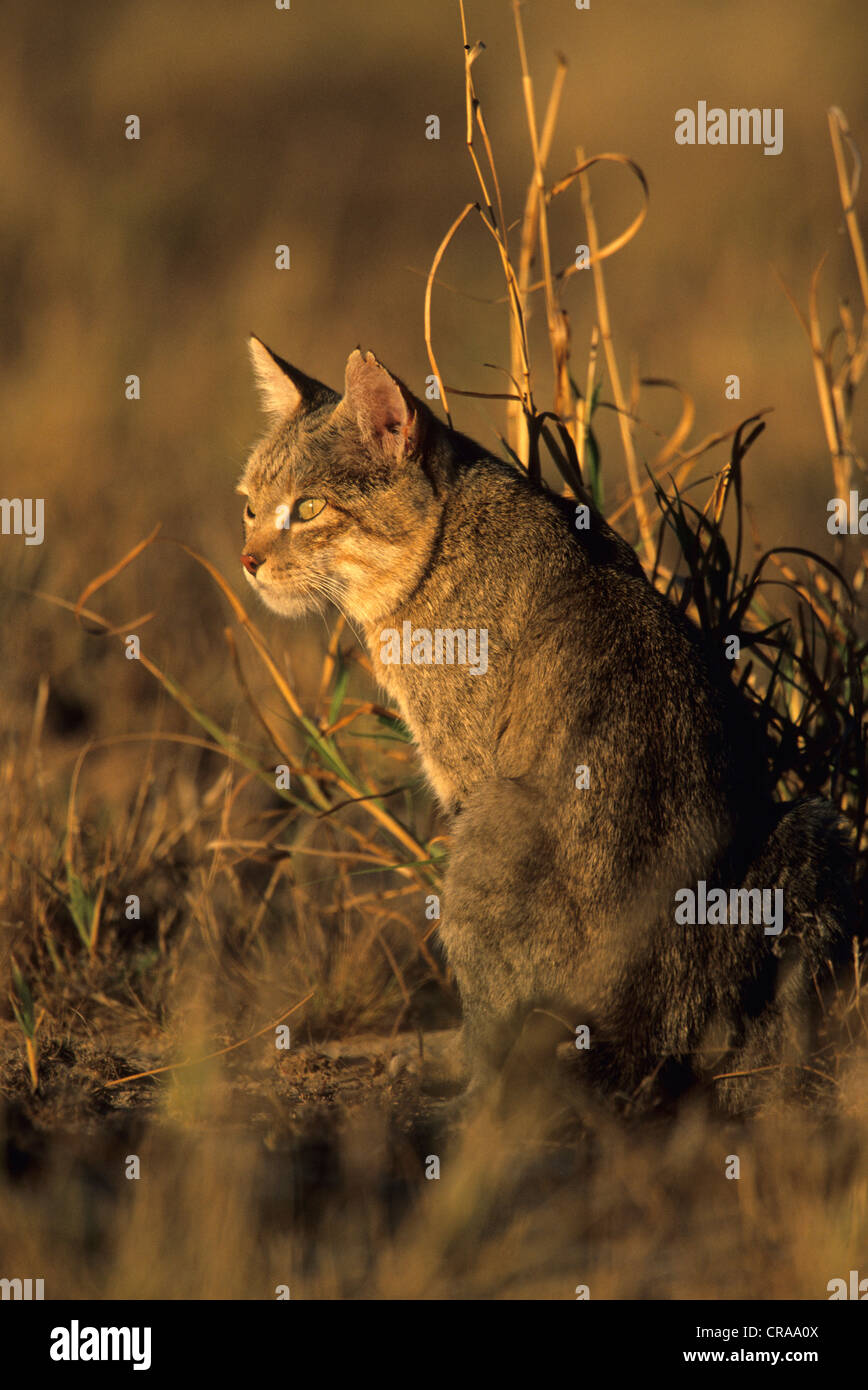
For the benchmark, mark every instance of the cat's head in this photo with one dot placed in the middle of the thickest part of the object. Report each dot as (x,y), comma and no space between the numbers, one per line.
(343,496)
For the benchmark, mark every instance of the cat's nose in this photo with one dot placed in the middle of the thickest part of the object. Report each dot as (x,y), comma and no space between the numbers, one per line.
(250,562)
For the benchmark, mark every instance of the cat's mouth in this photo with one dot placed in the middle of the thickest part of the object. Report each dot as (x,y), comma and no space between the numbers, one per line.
(282,597)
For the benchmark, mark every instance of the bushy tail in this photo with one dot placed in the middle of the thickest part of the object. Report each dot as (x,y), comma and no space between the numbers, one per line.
(809,854)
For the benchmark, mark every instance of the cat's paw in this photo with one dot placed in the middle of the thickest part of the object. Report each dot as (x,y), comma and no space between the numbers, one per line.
(472,1102)
(443,1069)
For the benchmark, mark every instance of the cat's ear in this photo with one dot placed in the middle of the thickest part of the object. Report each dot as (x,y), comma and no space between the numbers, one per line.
(384,409)
(285,391)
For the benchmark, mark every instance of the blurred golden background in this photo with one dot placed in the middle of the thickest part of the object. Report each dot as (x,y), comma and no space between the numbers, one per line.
(307,127)
(156,257)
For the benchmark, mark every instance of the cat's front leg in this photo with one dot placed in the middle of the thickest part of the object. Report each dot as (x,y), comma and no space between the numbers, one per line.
(485,927)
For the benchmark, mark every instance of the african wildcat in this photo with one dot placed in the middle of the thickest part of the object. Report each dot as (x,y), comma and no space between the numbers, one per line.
(561,890)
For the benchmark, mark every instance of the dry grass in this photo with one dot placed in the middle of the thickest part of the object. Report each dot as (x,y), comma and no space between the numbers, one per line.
(263,1168)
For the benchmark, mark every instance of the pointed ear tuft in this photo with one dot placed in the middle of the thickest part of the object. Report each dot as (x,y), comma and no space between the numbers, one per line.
(385,410)
(285,391)
(280,396)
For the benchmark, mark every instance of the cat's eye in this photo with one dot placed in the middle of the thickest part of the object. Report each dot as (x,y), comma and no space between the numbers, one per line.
(249,513)
(309,507)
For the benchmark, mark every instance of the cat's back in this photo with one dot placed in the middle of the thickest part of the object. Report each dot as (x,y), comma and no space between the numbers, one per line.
(601,665)
(553,569)
(512,520)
